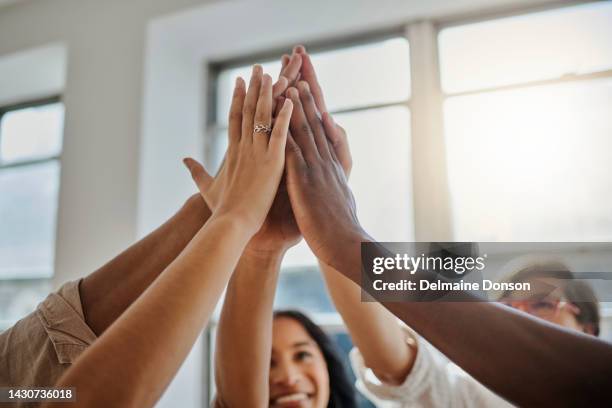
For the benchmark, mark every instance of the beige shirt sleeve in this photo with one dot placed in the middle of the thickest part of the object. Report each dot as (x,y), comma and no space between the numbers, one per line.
(37,350)
(433,382)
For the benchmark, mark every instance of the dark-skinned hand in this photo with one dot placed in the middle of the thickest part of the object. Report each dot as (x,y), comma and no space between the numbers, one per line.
(322,202)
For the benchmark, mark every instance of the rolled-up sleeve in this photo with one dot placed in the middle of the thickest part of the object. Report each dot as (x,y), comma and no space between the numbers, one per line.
(41,346)
(432,382)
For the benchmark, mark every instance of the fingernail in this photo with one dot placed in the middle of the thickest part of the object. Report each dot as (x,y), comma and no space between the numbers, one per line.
(299,49)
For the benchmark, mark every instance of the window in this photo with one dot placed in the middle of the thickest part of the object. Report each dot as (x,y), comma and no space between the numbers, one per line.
(528,125)
(30,147)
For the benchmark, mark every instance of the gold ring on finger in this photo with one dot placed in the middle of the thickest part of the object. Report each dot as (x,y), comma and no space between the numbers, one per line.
(259,128)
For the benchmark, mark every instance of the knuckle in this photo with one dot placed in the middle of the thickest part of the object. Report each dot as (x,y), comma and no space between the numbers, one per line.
(261,117)
(248,109)
(305,128)
(293,148)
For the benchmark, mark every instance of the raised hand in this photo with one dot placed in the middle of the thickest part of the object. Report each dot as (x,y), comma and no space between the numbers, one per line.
(336,133)
(322,202)
(248,182)
(279,230)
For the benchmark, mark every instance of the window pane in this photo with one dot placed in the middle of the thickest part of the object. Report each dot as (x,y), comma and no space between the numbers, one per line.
(365,75)
(381,178)
(19,298)
(532,47)
(351,77)
(303,288)
(218,146)
(28,208)
(227,79)
(532,164)
(32,133)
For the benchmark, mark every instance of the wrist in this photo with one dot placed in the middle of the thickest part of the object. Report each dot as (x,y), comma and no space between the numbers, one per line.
(347,253)
(264,257)
(232,224)
(242,219)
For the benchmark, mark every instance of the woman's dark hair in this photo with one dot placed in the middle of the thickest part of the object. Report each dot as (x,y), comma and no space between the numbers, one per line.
(575,291)
(341,390)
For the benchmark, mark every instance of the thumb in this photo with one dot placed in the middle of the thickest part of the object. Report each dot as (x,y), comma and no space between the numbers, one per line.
(199,174)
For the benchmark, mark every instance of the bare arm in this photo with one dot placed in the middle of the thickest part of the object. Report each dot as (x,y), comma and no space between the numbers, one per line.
(132,271)
(374,331)
(244,339)
(134,360)
(243,345)
(131,363)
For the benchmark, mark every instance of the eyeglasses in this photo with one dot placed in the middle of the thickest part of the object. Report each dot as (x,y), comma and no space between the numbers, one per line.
(544,308)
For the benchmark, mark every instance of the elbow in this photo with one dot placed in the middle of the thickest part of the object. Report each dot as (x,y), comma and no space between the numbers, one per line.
(391,377)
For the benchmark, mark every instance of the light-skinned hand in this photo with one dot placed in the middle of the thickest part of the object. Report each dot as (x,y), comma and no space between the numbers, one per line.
(247,184)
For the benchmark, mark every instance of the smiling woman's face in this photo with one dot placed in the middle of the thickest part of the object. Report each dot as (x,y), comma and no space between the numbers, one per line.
(298,372)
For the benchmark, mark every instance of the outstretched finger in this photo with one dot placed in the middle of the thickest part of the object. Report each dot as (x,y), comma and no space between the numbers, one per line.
(280,87)
(292,70)
(263,114)
(235,113)
(250,104)
(284,61)
(309,75)
(300,128)
(314,119)
(278,138)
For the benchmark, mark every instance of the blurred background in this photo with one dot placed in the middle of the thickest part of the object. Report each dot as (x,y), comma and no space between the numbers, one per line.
(472,120)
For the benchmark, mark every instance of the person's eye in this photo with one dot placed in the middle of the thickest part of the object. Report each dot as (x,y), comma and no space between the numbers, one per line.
(544,305)
(302,355)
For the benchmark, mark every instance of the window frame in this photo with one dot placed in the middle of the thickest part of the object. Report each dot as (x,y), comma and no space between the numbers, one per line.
(215,67)
(32,103)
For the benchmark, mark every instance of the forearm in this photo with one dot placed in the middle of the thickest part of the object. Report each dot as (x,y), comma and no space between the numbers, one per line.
(511,352)
(135,359)
(244,337)
(494,343)
(132,271)
(374,331)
